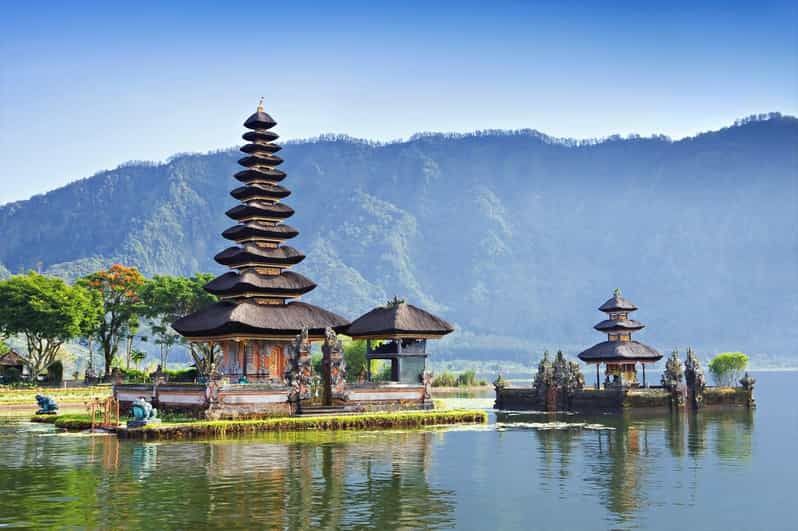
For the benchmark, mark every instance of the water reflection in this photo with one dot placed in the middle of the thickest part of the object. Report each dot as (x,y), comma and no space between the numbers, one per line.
(287,481)
(624,463)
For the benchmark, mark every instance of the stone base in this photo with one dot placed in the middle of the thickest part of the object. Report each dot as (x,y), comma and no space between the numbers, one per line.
(142,423)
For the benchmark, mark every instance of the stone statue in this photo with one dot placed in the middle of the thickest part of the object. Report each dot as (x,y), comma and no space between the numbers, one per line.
(577,378)
(694,377)
(545,374)
(143,413)
(298,373)
(47,406)
(555,382)
(426,379)
(748,382)
(333,367)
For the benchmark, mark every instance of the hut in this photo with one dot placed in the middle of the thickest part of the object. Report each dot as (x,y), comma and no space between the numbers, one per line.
(12,366)
(398,332)
(620,353)
(258,314)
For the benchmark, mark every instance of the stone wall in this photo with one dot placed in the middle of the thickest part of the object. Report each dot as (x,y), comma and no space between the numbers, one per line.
(726,396)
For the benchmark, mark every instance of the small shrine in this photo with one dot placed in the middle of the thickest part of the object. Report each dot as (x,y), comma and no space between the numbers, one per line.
(398,332)
(620,353)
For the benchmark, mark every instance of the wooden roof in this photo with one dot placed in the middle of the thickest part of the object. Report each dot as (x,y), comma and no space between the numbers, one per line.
(613,325)
(617,303)
(252,254)
(398,319)
(286,284)
(619,351)
(259,120)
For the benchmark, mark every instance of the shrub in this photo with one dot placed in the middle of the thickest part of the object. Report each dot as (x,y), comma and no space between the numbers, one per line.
(181,375)
(445,379)
(727,367)
(467,379)
(11,375)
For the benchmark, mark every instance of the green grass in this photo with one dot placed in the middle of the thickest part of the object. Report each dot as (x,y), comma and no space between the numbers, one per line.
(68,422)
(27,395)
(364,421)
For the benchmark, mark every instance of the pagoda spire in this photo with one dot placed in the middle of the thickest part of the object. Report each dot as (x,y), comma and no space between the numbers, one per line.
(260,260)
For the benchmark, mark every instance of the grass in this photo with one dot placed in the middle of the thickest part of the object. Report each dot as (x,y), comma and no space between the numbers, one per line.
(67,422)
(27,395)
(364,421)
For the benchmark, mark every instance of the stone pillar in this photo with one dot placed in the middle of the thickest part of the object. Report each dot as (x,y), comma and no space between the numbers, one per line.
(333,367)
(298,373)
(694,378)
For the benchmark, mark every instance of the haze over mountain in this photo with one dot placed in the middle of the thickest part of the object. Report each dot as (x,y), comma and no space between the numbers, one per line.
(515,237)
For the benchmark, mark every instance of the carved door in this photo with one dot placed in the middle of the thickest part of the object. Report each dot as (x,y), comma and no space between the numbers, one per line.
(276,363)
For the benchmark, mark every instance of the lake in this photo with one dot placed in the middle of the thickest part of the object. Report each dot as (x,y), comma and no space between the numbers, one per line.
(726,470)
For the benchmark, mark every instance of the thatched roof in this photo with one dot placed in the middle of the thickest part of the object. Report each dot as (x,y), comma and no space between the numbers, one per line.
(260,209)
(260,230)
(249,318)
(611,325)
(252,254)
(398,319)
(11,359)
(260,160)
(260,120)
(286,283)
(617,303)
(271,191)
(260,148)
(619,351)
(252,175)
(260,136)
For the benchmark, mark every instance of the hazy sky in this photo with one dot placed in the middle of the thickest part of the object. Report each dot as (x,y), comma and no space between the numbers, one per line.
(86,86)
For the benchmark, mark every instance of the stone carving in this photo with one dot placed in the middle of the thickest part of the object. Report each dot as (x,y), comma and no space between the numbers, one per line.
(672,379)
(556,381)
(694,377)
(748,382)
(333,367)
(143,413)
(426,379)
(47,406)
(298,374)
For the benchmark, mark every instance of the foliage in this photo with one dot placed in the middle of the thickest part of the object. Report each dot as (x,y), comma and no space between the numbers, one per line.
(10,375)
(118,290)
(181,375)
(3,347)
(727,367)
(355,357)
(167,299)
(467,379)
(47,312)
(137,356)
(445,379)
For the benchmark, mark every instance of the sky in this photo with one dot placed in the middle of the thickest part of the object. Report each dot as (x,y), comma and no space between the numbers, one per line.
(85,86)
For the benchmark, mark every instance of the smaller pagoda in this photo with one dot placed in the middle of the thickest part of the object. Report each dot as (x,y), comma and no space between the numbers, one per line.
(402,331)
(619,353)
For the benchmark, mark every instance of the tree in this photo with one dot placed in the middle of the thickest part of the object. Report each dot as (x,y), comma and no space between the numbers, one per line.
(727,367)
(165,300)
(47,312)
(355,357)
(137,356)
(118,289)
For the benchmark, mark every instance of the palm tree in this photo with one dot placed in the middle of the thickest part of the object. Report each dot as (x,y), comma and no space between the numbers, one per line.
(137,356)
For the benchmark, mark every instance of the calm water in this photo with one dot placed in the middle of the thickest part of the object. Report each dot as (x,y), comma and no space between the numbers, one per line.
(716,470)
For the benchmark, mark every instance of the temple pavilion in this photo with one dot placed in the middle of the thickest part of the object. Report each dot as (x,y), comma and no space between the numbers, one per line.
(259,313)
(620,354)
(398,332)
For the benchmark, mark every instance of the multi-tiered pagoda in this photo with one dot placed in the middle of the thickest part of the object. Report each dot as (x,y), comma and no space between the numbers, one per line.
(258,314)
(619,353)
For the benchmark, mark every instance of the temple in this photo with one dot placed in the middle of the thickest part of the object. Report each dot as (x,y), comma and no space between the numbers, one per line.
(402,331)
(619,353)
(259,313)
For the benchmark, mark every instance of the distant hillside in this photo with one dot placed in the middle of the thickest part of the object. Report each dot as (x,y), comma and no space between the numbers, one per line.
(514,236)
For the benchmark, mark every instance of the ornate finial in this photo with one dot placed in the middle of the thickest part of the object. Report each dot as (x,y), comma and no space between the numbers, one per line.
(260,104)
(396,301)
(617,292)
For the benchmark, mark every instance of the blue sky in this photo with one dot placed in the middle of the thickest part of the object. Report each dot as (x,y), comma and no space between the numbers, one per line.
(85,86)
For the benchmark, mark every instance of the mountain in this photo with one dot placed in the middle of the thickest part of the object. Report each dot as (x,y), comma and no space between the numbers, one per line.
(516,237)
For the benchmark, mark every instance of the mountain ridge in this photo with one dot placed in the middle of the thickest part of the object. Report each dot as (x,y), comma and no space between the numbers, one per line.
(508,234)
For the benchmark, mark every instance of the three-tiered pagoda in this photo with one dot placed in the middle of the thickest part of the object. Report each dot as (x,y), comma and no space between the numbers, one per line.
(258,314)
(619,353)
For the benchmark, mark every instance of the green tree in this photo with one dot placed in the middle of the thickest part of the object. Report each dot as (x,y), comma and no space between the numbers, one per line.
(47,312)
(137,356)
(118,290)
(727,367)
(355,357)
(166,299)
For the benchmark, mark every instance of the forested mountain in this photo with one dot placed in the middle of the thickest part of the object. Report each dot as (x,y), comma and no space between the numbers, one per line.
(513,236)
